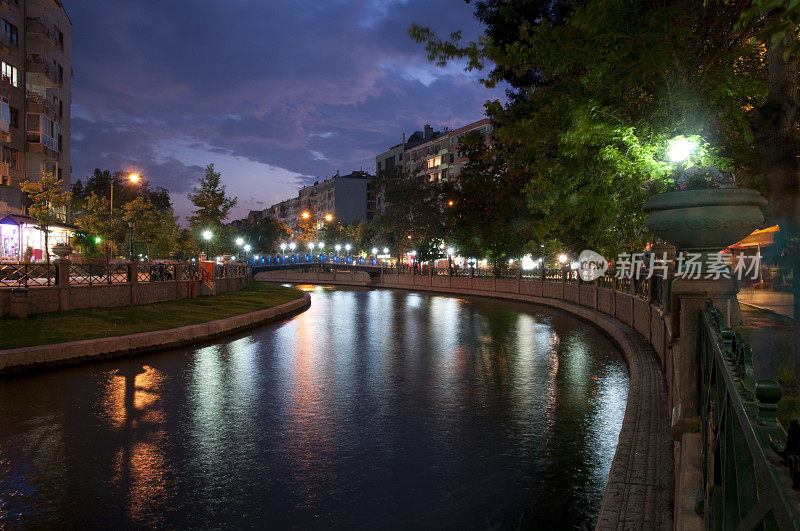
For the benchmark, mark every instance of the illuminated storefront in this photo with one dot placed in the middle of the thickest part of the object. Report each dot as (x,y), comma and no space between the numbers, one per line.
(18,233)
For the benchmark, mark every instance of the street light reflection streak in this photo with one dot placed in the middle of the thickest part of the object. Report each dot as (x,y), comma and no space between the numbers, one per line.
(131,405)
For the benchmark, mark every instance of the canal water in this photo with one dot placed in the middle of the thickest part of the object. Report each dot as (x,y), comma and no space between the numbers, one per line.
(373,409)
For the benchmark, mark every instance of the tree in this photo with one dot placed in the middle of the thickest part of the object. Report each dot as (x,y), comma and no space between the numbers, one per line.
(212,206)
(48,203)
(265,234)
(489,210)
(158,230)
(95,218)
(415,212)
(599,87)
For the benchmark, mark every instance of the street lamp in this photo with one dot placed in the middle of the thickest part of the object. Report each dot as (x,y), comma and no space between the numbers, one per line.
(133,178)
(347,248)
(247,248)
(207,235)
(385,250)
(306,215)
(562,258)
(239,241)
(321,245)
(329,217)
(131,225)
(292,246)
(680,148)
(375,251)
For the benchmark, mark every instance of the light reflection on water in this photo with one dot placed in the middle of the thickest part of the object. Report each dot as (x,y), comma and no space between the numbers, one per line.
(371,409)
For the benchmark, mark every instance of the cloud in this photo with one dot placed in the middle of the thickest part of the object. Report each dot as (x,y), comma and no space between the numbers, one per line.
(293,90)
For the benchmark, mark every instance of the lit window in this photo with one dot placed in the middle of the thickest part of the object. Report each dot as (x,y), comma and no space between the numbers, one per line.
(6,70)
(432,163)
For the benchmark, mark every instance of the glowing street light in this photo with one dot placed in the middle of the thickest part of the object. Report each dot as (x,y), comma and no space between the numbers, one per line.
(338,247)
(311,246)
(134,178)
(247,248)
(347,247)
(292,246)
(321,245)
(306,215)
(562,258)
(328,217)
(450,251)
(207,235)
(680,148)
(239,241)
(375,250)
(385,250)
(450,203)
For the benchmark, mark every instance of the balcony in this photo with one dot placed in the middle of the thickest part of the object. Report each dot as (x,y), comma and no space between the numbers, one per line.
(38,104)
(41,73)
(38,33)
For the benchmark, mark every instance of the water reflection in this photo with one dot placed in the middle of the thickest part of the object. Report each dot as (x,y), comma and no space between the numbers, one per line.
(371,409)
(130,405)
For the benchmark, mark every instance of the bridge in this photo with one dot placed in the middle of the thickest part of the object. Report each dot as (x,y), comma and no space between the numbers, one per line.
(324,265)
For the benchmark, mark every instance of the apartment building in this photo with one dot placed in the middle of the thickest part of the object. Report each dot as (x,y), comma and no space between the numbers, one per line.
(343,198)
(35,98)
(431,153)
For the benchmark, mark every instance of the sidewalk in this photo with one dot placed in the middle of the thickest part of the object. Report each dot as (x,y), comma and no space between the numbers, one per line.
(776,301)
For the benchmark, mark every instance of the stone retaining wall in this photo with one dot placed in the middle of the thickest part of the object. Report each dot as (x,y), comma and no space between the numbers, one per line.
(641,486)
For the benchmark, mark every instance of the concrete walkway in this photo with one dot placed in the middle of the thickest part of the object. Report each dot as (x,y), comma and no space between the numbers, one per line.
(781,302)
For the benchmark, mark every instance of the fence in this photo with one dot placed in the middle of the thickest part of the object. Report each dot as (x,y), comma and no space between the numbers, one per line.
(27,275)
(38,288)
(750,465)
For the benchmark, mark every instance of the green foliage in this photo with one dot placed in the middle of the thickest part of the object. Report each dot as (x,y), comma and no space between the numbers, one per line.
(598,90)
(266,234)
(47,203)
(211,203)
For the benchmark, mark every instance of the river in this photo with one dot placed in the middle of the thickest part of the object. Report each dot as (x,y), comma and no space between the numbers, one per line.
(372,409)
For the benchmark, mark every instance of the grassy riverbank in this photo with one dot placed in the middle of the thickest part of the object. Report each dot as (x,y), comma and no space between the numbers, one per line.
(77,325)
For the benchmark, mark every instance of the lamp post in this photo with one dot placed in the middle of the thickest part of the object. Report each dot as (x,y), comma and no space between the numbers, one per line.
(292,247)
(133,178)
(131,225)
(347,249)
(283,252)
(207,235)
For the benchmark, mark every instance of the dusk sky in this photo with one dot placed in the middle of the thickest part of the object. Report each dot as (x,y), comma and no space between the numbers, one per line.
(276,94)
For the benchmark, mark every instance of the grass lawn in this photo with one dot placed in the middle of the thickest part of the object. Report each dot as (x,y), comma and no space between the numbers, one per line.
(76,325)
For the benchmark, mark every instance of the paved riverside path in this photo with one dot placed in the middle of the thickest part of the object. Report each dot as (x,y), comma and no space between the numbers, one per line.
(780,302)
(640,489)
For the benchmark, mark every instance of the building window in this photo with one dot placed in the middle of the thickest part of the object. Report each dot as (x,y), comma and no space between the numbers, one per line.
(6,70)
(5,115)
(61,40)
(435,161)
(379,165)
(60,70)
(14,117)
(9,31)
(11,157)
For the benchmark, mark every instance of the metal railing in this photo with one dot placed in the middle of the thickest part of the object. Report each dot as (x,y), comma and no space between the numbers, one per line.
(751,468)
(27,275)
(89,274)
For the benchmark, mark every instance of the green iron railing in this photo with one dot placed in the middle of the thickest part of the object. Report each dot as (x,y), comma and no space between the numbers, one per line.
(751,467)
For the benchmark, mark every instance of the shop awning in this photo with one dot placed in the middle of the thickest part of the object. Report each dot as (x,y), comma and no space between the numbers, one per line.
(19,220)
(758,238)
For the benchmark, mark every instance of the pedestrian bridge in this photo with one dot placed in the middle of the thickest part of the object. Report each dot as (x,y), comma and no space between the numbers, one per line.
(326,265)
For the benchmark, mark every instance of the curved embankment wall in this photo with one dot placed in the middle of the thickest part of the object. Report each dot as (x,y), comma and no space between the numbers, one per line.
(26,358)
(640,489)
